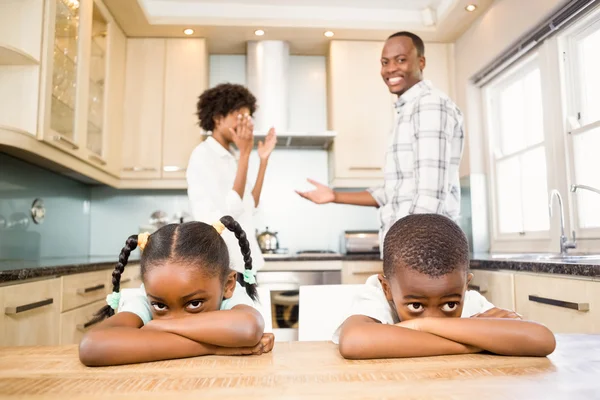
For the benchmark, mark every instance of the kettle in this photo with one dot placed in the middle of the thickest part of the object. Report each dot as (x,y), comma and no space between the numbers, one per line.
(267,241)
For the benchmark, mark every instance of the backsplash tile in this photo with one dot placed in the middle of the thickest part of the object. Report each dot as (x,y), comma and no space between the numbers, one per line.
(65,232)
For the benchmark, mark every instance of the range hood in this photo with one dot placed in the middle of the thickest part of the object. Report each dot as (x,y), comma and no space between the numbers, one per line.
(267,74)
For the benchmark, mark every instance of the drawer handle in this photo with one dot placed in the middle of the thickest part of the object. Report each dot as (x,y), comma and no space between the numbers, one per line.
(560,303)
(97,159)
(365,168)
(27,307)
(173,168)
(91,289)
(86,326)
(478,288)
(139,169)
(62,139)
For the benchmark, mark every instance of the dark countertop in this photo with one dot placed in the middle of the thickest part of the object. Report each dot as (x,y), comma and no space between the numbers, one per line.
(587,268)
(325,257)
(18,270)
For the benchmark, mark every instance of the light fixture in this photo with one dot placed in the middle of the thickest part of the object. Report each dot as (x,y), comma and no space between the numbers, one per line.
(259,32)
(328,34)
(188,31)
(471,7)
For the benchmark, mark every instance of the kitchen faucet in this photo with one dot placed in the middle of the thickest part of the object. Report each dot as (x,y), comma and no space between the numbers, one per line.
(565,244)
(585,187)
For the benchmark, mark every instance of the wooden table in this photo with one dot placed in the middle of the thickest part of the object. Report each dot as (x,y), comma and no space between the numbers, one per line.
(299,370)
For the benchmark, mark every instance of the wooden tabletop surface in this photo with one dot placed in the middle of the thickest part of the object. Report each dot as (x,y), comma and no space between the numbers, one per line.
(299,370)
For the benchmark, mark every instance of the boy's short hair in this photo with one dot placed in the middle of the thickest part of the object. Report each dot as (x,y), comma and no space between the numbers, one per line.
(427,243)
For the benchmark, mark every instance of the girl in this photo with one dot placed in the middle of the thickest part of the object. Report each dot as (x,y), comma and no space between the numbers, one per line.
(190,303)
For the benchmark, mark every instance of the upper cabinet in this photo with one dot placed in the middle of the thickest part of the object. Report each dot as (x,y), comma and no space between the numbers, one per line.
(361,108)
(163,81)
(360,111)
(80,40)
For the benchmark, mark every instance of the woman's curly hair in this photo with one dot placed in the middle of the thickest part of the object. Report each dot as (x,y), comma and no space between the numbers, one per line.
(220,101)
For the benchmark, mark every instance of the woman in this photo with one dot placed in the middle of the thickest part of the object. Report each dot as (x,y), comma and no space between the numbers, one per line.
(216,176)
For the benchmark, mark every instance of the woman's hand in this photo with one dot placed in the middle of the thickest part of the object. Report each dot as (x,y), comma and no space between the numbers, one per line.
(243,134)
(266,148)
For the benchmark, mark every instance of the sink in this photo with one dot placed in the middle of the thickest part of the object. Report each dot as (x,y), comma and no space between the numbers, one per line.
(569,258)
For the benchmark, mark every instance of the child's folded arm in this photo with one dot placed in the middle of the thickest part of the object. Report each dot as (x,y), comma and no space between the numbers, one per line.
(118,340)
(242,326)
(362,337)
(497,335)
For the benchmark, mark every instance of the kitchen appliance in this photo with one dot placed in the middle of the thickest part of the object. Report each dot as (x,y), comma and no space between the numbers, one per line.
(267,241)
(360,242)
(284,288)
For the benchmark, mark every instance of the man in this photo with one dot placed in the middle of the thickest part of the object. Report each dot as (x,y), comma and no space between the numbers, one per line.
(422,160)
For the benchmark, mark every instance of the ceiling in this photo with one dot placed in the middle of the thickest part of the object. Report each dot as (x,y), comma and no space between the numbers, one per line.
(229,24)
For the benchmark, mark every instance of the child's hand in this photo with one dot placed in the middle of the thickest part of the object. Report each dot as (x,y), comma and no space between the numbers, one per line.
(264,346)
(498,313)
(414,324)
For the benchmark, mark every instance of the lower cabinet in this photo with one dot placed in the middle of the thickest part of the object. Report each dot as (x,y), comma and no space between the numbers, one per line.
(357,272)
(497,287)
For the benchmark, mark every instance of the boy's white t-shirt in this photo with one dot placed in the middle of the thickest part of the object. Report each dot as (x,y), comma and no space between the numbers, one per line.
(134,300)
(371,302)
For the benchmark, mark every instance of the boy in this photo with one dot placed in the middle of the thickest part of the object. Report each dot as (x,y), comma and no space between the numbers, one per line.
(421,306)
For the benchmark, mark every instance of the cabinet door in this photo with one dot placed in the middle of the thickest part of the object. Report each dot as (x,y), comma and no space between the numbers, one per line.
(131,278)
(357,272)
(564,305)
(496,286)
(143,111)
(81,289)
(75,323)
(360,111)
(29,313)
(186,77)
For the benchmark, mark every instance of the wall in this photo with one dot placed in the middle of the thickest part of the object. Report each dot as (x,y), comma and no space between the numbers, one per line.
(65,231)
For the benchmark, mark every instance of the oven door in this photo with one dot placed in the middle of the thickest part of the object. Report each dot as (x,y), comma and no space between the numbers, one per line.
(284,292)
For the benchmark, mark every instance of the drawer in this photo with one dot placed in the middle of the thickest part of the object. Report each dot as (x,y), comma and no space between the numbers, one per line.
(564,305)
(496,286)
(130,278)
(29,313)
(357,272)
(86,288)
(73,324)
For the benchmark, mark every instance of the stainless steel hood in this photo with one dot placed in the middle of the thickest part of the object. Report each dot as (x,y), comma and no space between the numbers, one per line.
(267,74)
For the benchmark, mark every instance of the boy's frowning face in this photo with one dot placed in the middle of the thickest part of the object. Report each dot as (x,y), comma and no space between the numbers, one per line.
(418,295)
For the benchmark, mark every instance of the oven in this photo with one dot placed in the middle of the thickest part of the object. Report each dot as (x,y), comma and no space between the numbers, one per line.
(284,289)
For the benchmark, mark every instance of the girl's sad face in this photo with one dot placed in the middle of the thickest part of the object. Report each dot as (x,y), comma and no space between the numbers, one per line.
(175,290)
(418,295)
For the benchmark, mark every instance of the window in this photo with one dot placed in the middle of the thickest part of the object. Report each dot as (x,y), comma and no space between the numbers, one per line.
(515,120)
(583,122)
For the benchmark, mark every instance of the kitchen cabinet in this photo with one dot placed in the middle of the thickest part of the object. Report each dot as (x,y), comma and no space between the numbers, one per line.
(563,304)
(164,79)
(361,112)
(75,323)
(496,286)
(357,272)
(361,108)
(29,313)
(186,77)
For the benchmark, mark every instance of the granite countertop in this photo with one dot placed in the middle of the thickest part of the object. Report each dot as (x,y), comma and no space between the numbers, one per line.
(17,270)
(324,257)
(586,268)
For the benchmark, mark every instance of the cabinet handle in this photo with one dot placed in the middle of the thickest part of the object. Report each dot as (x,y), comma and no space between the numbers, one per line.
(64,140)
(91,289)
(560,303)
(478,288)
(365,168)
(173,168)
(97,159)
(27,307)
(84,327)
(138,169)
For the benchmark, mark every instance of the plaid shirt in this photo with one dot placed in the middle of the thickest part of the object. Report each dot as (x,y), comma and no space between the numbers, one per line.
(421,163)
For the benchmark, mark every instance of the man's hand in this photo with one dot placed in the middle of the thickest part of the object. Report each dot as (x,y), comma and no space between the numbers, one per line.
(243,134)
(266,148)
(321,195)
(498,313)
